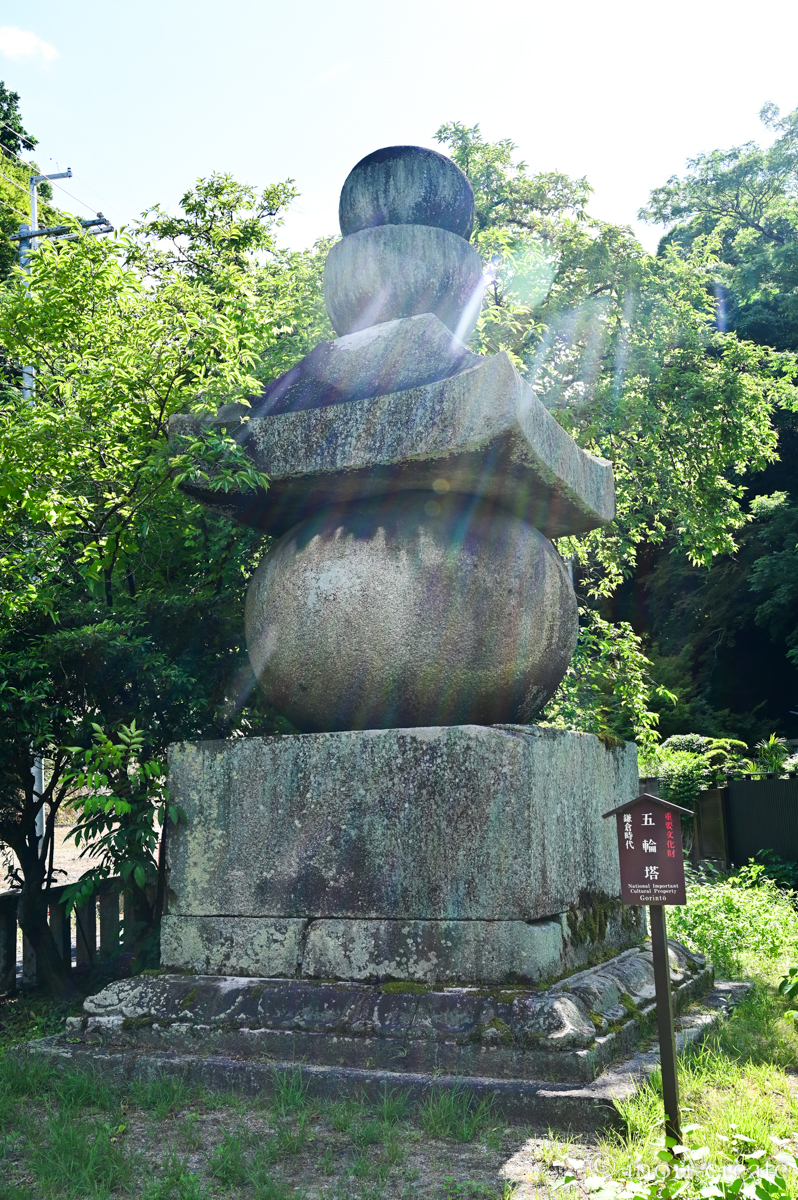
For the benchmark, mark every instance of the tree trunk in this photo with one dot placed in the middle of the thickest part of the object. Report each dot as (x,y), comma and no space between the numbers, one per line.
(142,910)
(51,969)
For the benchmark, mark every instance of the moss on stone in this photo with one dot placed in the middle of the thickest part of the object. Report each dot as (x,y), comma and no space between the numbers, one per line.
(589,918)
(596,1018)
(508,995)
(504,1031)
(129,1024)
(189,998)
(630,916)
(626,1000)
(610,742)
(402,986)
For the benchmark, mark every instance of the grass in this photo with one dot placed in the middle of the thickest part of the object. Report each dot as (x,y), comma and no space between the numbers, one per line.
(740,1084)
(453,1114)
(161,1097)
(69,1135)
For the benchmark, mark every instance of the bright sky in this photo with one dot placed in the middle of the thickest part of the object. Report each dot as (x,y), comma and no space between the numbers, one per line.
(141,99)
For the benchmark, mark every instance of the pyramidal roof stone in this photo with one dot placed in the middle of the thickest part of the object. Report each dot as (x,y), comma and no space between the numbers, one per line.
(399,403)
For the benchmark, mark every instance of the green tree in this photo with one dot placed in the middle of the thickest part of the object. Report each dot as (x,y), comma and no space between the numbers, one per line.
(626,351)
(746,200)
(724,638)
(15,178)
(13,135)
(121,599)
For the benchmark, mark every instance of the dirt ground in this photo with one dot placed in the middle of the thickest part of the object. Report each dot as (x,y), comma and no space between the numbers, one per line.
(66,857)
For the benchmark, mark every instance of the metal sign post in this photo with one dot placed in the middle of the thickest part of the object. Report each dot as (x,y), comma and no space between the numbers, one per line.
(652,873)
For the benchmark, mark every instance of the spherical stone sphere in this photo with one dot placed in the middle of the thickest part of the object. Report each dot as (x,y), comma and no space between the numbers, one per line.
(410,611)
(407,185)
(397,271)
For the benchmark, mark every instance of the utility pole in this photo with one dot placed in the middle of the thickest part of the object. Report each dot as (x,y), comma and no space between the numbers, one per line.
(35,180)
(28,373)
(27,239)
(25,248)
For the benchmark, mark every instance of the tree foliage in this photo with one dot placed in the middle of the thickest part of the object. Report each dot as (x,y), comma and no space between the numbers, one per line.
(745,199)
(13,135)
(15,178)
(124,819)
(119,597)
(724,639)
(625,351)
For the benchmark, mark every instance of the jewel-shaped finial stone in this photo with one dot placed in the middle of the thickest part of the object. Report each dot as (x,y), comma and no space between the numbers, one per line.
(406,214)
(407,185)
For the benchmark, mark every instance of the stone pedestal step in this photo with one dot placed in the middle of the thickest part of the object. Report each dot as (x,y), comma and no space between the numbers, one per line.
(540,1104)
(570,1032)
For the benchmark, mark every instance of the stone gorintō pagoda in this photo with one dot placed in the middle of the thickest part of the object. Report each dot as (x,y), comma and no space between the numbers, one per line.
(418,887)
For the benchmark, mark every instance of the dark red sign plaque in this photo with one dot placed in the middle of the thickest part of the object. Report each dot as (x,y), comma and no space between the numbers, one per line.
(650,851)
(652,873)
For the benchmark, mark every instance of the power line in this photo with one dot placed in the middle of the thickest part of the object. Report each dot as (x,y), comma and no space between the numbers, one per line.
(14,210)
(16,182)
(30,167)
(16,132)
(83,182)
(79,179)
(90,207)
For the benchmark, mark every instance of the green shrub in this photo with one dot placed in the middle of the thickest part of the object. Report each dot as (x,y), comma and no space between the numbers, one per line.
(741,922)
(783,872)
(688,763)
(750,1172)
(771,754)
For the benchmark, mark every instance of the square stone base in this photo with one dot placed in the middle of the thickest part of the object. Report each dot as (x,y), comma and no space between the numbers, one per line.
(464,854)
(555,1057)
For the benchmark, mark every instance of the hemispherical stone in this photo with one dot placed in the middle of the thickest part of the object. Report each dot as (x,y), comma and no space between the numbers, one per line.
(407,185)
(397,271)
(410,611)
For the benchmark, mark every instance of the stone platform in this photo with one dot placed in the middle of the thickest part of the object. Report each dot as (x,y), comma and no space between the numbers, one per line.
(557,1056)
(460,854)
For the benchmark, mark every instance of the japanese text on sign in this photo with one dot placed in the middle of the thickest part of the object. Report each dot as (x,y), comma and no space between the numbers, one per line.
(650,851)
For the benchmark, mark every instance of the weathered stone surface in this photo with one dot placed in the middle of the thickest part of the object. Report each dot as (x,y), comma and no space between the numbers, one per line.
(558,1018)
(154,1052)
(447,824)
(488,952)
(600,993)
(482,433)
(234,945)
(407,185)
(509,1034)
(428,952)
(407,612)
(556,1015)
(372,362)
(395,271)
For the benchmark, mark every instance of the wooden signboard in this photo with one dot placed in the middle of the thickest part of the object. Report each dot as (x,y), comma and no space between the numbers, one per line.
(652,873)
(650,851)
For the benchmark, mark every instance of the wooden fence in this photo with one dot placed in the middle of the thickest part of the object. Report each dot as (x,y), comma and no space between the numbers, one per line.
(748,815)
(745,812)
(75,933)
